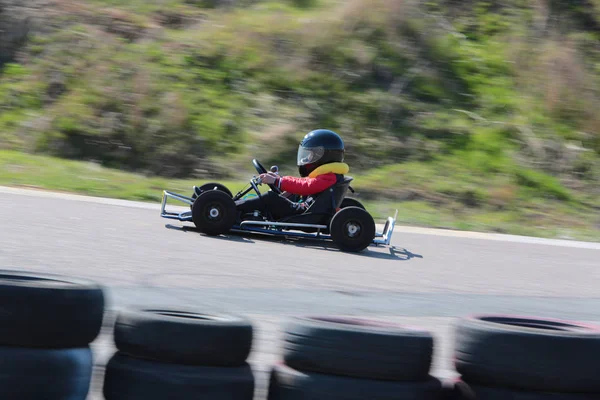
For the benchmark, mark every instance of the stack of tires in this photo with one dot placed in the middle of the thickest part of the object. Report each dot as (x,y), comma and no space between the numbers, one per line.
(522,358)
(176,355)
(46,325)
(337,358)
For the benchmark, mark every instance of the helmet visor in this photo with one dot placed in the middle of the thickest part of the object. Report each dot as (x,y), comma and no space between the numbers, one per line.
(309,155)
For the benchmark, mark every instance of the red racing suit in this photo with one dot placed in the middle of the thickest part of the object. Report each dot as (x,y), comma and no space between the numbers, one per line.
(320,179)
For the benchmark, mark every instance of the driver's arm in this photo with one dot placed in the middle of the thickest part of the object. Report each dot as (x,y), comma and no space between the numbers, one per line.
(306,186)
(300,186)
(271,178)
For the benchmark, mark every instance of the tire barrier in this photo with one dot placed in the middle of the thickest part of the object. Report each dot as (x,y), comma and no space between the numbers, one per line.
(343,358)
(289,384)
(460,390)
(175,354)
(47,323)
(46,326)
(524,358)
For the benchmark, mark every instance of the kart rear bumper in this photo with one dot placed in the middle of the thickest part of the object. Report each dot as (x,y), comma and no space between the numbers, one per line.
(388,231)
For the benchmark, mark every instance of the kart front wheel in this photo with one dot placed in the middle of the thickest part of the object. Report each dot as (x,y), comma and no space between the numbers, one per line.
(211,186)
(352,229)
(214,212)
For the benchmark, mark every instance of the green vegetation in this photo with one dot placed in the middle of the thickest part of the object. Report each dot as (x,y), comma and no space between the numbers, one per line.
(473,114)
(417,203)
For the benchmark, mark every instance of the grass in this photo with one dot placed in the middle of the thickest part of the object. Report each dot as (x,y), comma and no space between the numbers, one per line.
(381,72)
(88,178)
(542,217)
(468,115)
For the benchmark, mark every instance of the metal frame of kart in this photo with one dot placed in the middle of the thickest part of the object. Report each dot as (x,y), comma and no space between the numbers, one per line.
(273,228)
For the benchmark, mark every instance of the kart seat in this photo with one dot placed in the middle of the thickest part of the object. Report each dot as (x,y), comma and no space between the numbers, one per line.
(325,204)
(339,191)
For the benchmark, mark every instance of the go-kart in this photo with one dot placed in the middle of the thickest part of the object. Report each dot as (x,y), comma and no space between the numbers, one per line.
(331,216)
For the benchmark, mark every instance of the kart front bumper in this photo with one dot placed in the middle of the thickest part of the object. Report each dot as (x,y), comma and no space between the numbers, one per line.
(185,216)
(274,228)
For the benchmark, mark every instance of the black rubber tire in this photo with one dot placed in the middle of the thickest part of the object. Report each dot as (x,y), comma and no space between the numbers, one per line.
(340,234)
(49,374)
(218,200)
(49,311)
(216,186)
(463,391)
(129,378)
(528,353)
(357,348)
(212,186)
(350,202)
(286,383)
(184,337)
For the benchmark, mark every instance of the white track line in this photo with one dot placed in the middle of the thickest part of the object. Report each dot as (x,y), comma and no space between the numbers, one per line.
(497,237)
(398,230)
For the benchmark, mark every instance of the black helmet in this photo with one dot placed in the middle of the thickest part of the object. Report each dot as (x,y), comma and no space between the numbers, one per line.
(319,147)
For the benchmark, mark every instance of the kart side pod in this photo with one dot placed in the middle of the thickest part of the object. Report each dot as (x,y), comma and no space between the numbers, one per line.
(275,228)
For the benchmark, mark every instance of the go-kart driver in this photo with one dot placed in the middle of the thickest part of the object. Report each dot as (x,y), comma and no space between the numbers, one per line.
(320,163)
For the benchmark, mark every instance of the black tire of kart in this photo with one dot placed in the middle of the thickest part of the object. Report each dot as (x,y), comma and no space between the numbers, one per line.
(201,207)
(212,186)
(49,311)
(357,348)
(542,355)
(49,374)
(184,337)
(461,390)
(350,202)
(286,383)
(340,235)
(129,378)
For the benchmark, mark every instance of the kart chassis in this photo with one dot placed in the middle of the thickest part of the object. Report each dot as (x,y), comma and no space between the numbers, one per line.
(272,227)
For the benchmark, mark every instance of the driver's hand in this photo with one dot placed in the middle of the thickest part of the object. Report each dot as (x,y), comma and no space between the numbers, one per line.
(268,178)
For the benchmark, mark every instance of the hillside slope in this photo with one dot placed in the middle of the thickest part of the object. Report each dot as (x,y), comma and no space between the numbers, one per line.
(466,106)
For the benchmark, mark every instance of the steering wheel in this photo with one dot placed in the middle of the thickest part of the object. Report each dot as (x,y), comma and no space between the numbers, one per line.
(261,170)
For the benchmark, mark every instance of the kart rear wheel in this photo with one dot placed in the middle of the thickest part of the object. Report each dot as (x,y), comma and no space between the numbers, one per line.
(352,229)
(213,212)
(350,202)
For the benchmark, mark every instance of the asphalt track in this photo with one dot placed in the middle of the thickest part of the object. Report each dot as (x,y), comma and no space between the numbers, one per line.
(428,278)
